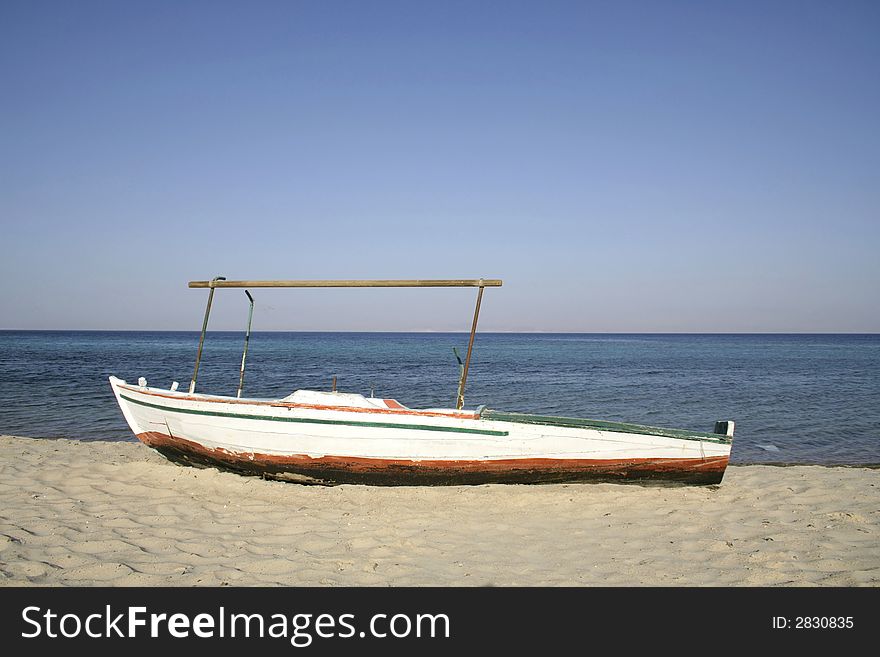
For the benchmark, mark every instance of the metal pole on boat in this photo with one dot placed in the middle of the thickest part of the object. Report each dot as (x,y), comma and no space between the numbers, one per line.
(247,337)
(460,393)
(467,359)
(192,384)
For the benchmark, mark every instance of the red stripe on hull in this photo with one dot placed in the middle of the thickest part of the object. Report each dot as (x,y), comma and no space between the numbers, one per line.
(357,470)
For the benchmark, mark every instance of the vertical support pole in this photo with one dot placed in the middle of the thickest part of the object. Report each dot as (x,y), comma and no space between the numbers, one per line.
(192,384)
(247,337)
(460,393)
(467,359)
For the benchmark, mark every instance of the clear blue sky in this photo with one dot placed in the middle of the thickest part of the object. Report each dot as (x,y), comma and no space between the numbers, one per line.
(623,166)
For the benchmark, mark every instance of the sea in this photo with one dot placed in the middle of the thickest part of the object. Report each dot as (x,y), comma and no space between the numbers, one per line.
(803,398)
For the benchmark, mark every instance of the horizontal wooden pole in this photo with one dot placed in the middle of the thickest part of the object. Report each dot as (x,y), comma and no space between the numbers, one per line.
(479,282)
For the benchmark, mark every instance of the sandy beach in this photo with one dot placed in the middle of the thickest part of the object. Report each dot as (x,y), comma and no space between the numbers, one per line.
(109,513)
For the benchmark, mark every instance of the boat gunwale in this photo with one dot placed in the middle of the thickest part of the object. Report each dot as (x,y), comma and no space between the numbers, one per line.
(277,403)
(603,425)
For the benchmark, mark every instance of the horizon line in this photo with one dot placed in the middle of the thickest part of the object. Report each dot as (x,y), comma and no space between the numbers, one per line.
(440,332)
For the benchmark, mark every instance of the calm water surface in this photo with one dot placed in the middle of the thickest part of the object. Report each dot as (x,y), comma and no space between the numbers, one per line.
(795,398)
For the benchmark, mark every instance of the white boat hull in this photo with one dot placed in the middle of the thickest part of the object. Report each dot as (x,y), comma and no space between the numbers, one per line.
(325,443)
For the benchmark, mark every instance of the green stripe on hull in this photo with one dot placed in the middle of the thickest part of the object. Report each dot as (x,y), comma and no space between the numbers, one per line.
(349,423)
(620,427)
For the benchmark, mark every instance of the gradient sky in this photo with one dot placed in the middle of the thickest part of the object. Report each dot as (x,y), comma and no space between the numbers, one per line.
(623,166)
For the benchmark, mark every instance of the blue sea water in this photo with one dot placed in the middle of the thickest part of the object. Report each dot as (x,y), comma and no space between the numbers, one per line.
(795,398)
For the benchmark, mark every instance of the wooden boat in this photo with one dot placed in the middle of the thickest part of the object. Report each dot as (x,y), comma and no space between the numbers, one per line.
(335,437)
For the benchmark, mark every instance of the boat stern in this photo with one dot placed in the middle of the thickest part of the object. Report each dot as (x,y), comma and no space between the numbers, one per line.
(725,428)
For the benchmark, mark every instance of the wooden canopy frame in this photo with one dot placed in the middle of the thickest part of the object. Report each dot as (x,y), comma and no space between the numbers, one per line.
(220,281)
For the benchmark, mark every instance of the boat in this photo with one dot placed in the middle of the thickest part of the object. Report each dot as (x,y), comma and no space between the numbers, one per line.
(333,437)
